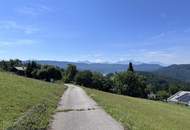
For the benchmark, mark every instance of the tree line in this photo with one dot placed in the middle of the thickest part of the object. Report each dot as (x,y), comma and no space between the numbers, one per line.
(130,82)
(33,70)
(125,83)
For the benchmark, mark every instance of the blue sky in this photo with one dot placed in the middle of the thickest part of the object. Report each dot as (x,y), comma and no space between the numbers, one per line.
(96,30)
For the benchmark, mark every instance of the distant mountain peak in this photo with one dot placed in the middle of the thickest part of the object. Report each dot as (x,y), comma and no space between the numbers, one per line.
(127,62)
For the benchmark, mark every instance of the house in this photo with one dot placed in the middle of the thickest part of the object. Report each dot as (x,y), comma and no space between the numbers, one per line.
(182,97)
(20,70)
(152,96)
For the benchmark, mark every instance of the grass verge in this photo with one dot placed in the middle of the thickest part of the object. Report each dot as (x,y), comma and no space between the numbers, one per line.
(141,114)
(26,104)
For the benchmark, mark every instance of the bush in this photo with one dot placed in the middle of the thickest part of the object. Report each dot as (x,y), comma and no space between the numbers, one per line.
(54,73)
(129,83)
(70,73)
(162,95)
(101,82)
(48,73)
(84,78)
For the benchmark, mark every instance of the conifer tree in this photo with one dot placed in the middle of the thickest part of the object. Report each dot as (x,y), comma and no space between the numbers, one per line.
(130,67)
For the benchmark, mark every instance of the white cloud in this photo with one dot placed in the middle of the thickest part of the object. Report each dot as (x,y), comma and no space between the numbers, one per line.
(99,60)
(33,10)
(163,34)
(153,54)
(173,55)
(17,42)
(14,26)
(95,58)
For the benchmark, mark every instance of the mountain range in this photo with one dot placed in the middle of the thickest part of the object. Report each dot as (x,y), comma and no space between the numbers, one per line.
(104,67)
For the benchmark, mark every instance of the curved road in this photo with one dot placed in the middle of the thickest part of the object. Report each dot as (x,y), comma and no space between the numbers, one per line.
(77,111)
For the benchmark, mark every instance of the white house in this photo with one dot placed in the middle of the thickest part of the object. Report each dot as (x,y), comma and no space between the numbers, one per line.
(182,97)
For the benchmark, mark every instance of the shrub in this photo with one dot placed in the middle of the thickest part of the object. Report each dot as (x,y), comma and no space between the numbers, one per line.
(84,78)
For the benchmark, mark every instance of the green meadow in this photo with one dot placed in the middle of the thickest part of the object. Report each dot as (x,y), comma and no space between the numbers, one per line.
(26,102)
(141,114)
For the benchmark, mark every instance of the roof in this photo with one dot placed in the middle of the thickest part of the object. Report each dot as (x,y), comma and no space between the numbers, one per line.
(181,97)
(20,68)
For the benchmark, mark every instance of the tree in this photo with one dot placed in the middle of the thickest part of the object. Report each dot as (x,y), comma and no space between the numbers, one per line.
(30,67)
(162,95)
(97,80)
(9,65)
(107,84)
(109,75)
(54,73)
(84,78)
(18,62)
(42,74)
(129,83)
(70,73)
(4,65)
(130,67)
(14,63)
(173,89)
(49,73)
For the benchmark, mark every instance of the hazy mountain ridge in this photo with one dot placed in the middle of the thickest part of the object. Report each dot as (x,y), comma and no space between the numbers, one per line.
(103,67)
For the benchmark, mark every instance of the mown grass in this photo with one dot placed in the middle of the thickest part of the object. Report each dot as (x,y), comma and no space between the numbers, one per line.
(26,101)
(141,114)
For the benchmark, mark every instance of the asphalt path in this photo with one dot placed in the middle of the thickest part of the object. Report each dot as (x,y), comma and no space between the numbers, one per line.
(77,111)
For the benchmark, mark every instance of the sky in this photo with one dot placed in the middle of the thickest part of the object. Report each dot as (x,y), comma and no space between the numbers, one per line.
(148,31)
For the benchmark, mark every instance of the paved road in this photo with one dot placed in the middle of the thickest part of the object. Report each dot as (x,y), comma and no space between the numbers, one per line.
(77,111)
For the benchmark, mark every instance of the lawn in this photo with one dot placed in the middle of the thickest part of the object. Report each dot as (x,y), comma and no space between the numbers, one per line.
(141,114)
(22,100)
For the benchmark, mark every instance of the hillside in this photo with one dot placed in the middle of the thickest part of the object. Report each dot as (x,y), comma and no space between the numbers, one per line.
(141,114)
(162,82)
(103,67)
(180,72)
(25,99)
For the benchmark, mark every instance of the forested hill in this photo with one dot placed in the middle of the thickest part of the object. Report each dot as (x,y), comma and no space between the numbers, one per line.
(103,67)
(157,82)
(180,72)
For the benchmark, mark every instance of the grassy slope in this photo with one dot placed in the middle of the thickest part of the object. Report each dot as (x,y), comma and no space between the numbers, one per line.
(18,95)
(140,114)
